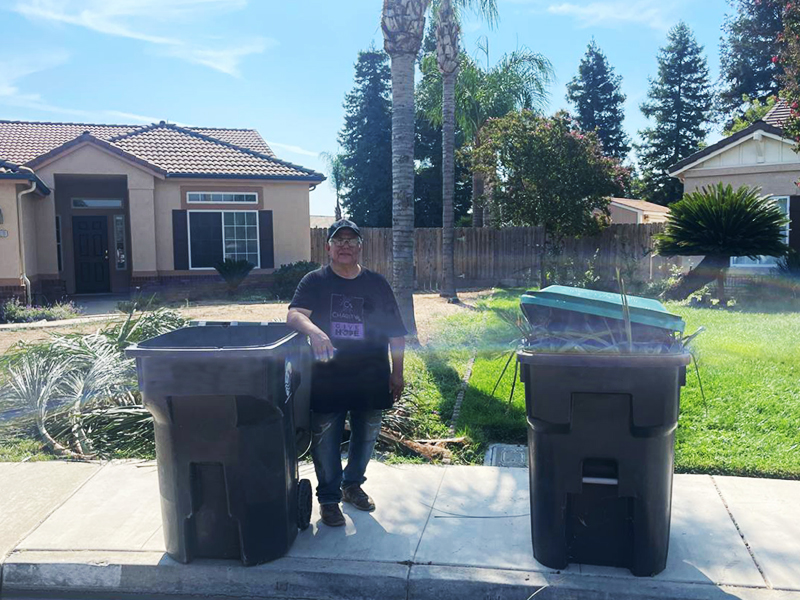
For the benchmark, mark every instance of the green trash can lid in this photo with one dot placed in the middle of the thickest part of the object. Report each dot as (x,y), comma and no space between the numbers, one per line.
(644,311)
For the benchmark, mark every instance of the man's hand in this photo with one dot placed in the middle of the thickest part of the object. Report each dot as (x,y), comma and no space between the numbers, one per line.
(396,385)
(322,346)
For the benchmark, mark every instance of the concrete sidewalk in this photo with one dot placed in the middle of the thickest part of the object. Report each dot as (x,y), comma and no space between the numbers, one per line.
(82,530)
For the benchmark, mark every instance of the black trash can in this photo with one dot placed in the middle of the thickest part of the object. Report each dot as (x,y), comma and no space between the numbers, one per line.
(224,398)
(601,441)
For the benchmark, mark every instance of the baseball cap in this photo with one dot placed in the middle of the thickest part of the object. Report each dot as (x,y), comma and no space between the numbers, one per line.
(343,224)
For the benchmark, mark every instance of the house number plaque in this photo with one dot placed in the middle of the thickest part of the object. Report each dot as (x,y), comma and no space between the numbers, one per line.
(3,233)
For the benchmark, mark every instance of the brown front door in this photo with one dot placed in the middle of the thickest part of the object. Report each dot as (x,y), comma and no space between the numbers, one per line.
(90,235)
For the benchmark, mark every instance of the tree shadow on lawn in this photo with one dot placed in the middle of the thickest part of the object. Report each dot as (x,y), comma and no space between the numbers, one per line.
(445,377)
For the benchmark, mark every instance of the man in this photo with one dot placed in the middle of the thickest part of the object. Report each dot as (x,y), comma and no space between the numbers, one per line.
(351,317)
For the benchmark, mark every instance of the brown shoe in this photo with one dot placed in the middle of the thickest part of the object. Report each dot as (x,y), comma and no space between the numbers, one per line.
(331,515)
(353,494)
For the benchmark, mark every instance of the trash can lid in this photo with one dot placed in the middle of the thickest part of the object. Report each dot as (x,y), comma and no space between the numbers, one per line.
(644,311)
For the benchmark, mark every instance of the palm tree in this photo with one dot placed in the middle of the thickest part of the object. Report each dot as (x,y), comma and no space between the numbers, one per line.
(519,80)
(403,25)
(447,52)
(717,223)
(336,171)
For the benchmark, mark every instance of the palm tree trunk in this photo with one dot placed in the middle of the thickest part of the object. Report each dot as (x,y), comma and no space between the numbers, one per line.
(403,186)
(477,199)
(448,289)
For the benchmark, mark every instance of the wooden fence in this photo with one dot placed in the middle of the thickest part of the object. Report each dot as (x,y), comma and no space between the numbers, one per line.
(512,255)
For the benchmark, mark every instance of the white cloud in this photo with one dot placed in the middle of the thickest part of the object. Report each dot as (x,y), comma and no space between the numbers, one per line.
(152,22)
(294,149)
(657,14)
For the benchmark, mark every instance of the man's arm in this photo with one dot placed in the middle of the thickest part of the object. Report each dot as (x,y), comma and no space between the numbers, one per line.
(397,345)
(299,319)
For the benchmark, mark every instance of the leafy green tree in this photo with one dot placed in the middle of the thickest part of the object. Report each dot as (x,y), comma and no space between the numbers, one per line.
(545,171)
(595,93)
(428,176)
(718,222)
(755,110)
(680,103)
(789,58)
(366,141)
(749,43)
(518,81)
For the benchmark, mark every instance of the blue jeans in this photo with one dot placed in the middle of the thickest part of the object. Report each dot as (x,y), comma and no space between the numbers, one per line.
(327,430)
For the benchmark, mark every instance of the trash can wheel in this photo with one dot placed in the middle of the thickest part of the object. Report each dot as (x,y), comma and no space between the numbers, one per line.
(303,503)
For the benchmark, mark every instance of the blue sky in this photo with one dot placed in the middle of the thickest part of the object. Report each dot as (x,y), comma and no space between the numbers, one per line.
(284,67)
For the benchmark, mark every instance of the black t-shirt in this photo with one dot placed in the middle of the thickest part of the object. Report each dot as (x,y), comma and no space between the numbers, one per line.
(359,315)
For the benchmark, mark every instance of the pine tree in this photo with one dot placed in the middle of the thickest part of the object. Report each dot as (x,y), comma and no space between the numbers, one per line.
(680,102)
(749,43)
(366,141)
(595,93)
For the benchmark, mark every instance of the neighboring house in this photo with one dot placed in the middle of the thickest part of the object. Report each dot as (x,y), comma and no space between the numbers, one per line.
(105,208)
(758,156)
(624,210)
(322,221)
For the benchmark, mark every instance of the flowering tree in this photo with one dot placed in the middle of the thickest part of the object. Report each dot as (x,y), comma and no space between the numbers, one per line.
(789,58)
(545,171)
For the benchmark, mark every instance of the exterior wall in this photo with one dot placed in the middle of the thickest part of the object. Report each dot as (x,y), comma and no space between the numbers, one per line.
(620,215)
(9,246)
(775,182)
(90,161)
(288,201)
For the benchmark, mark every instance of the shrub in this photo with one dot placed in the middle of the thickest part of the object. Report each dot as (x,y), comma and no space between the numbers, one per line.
(285,279)
(139,302)
(13,311)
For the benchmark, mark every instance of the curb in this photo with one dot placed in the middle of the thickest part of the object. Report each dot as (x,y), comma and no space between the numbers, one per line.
(95,574)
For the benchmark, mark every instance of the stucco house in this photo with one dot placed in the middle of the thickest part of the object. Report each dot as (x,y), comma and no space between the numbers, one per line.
(758,156)
(639,212)
(89,209)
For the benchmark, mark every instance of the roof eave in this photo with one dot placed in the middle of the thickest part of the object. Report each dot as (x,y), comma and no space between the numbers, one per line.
(41,187)
(678,168)
(317,179)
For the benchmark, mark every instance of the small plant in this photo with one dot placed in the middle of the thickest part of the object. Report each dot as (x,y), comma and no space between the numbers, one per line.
(13,311)
(139,302)
(234,272)
(285,279)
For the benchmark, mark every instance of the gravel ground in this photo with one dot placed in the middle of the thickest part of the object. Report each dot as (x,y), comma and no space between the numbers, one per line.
(428,308)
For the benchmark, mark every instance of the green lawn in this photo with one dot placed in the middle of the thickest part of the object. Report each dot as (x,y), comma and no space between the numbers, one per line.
(750,368)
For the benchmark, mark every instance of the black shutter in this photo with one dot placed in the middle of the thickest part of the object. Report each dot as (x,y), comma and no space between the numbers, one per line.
(794,225)
(265,239)
(180,240)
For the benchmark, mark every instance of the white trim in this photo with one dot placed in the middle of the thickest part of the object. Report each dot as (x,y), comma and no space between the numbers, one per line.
(727,147)
(201,203)
(222,225)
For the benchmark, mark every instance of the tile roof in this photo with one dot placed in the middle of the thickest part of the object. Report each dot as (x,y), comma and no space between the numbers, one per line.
(9,170)
(778,114)
(169,149)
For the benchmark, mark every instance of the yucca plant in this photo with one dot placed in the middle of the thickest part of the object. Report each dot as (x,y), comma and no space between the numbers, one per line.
(718,222)
(234,271)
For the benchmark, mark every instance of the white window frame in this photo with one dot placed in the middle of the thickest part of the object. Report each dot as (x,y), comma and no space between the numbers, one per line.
(59,241)
(120,200)
(787,233)
(203,202)
(222,224)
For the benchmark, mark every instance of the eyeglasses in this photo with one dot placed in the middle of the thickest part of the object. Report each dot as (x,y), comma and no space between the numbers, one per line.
(346,242)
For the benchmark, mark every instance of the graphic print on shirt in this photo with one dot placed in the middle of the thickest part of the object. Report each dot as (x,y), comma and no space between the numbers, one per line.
(347,317)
